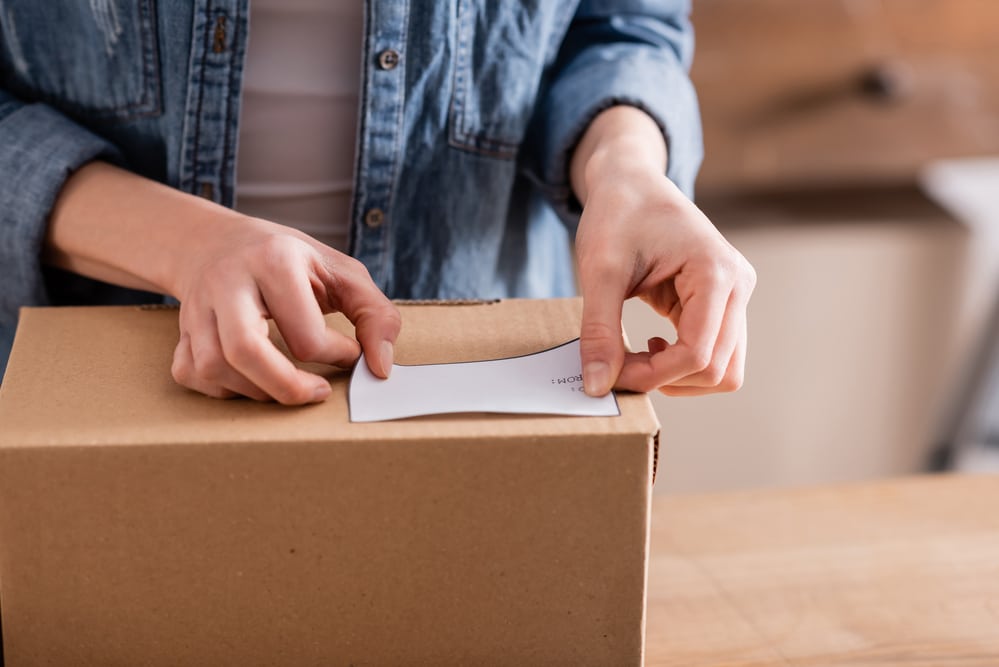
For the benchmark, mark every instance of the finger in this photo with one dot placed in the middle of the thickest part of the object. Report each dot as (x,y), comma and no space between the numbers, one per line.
(246,346)
(184,374)
(288,297)
(731,382)
(732,332)
(377,321)
(698,326)
(207,360)
(212,373)
(657,345)
(601,343)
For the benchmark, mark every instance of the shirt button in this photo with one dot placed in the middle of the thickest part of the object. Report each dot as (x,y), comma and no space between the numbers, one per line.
(374,218)
(388,59)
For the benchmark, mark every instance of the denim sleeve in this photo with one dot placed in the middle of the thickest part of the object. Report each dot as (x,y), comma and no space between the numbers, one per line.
(39,149)
(634,52)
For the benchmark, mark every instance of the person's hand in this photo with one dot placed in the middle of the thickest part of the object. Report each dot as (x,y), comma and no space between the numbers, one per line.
(242,274)
(231,273)
(640,236)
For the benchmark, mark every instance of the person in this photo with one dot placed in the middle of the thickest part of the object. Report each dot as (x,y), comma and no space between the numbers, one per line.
(387,148)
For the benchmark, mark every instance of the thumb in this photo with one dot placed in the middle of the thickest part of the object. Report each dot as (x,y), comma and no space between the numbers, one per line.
(601,341)
(377,328)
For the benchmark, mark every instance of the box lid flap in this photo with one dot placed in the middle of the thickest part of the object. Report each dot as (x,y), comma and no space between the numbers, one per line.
(101,375)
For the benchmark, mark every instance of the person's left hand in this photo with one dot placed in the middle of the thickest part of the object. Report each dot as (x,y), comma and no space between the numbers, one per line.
(640,236)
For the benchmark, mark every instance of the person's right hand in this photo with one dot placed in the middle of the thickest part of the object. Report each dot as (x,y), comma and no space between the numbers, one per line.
(244,272)
(231,273)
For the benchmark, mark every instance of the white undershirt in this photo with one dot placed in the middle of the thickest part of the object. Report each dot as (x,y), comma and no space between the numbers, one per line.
(295,163)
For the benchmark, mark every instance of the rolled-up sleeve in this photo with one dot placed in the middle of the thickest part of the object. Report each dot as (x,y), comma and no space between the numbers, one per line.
(632,52)
(39,149)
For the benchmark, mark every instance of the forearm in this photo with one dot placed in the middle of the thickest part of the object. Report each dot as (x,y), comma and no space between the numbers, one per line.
(621,141)
(121,228)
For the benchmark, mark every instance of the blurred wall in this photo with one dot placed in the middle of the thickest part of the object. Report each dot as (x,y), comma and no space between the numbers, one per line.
(819,119)
(852,347)
(843,91)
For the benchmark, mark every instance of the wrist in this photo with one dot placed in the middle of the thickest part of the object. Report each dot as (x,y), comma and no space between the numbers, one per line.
(621,144)
(204,231)
(620,162)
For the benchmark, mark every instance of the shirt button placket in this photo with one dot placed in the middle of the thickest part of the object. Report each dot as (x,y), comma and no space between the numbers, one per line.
(219,40)
(380,145)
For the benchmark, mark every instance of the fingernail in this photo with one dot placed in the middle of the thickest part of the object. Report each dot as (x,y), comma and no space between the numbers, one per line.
(596,378)
(322,392)
(388,352)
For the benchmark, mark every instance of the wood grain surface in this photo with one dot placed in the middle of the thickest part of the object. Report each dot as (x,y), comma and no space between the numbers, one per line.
(895,573)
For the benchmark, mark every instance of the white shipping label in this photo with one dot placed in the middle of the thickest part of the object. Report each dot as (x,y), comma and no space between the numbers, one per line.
(548,382)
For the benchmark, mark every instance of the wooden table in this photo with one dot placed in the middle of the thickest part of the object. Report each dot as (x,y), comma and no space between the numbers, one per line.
(901,572)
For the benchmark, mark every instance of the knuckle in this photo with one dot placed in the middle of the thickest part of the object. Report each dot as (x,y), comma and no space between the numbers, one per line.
(241,350)
(180,371)
(392,318)
(342,267)
(714,374)
(208,364)
(597,332)
(355,265)
(276,251)
(699,359)
(729,385)
(745,274)
(309,347)
(718,272)
(732,381)
(600,266)
(383,314)
(185,316)
(344,274)
(291,395)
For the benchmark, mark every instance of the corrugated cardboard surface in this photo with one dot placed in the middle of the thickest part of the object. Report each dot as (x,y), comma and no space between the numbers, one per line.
(143,524)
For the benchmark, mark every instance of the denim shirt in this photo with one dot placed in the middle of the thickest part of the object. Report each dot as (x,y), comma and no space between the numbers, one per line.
(461,176)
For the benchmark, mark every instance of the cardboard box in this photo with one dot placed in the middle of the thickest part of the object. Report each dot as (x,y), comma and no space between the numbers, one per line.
(141,523)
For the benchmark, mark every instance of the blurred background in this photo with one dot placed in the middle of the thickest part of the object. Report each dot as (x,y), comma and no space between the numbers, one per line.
(852,154)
